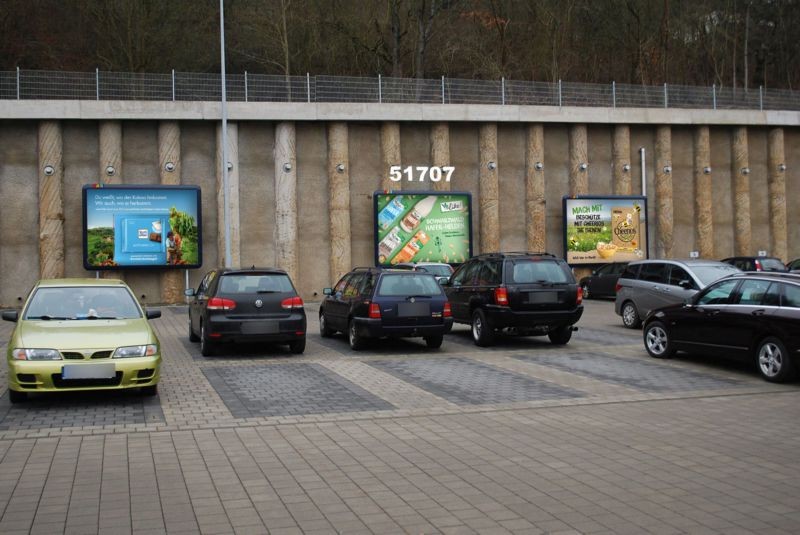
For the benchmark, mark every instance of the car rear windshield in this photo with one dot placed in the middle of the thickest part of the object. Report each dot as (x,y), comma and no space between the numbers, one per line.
(438,270)
(708,274)
(250,283)
(772,264)
(82,302)
(533,271)
(396,285)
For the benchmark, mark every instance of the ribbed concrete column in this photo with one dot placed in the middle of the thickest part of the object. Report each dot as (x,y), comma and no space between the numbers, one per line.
(390,153)
(286,198)
(440,151)
(578,155)
(488,189)
(536,215)
(664,207)
(339,195)
(111,151)
(169,152)
(621,156)
(703,201)
(233,195)
(777,195)
(51,201)
(741,192)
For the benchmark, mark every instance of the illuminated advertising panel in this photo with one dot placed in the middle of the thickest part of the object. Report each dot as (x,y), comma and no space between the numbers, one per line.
(608,229)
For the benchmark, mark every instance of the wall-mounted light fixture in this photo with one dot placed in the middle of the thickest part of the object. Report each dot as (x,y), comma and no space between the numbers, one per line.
(745,170)
(49,170)
(781,167)
(667,169)
(492,166)
(626,167)
(169,167)
(110,171)
(583,166)
(287,167)
(706,170)
(230,166)
(340,168)
(538,166)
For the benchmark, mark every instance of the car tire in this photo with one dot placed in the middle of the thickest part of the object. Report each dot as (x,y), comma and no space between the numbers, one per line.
(207,347)
(296,347)
(435,341)
(149,391)
(560,336)
(192,336)
(324,330)
(585,290)
(482,333)
(17,397)
(357,342)
(630,316)
(657,340)
(774,362)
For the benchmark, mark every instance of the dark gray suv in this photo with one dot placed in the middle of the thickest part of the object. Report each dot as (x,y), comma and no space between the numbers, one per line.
(646,285)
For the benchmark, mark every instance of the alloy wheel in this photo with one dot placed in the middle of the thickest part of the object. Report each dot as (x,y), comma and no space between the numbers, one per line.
(770,359)
(657,340)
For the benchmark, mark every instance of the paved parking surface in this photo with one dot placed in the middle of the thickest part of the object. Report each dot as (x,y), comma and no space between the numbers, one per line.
(523,437)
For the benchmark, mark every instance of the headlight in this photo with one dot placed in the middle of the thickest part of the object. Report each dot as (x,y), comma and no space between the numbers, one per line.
(135,351)
(35,354)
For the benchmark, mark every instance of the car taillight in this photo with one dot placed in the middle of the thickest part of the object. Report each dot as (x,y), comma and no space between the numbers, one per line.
(448,312)
(292,302)
(374,310)
(579,299)
(758,266)
(219,303)
(500,296)
(617,287)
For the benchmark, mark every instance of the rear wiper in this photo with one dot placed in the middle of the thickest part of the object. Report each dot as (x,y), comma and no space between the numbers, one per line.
(267,292)
(417,296)
(46,317)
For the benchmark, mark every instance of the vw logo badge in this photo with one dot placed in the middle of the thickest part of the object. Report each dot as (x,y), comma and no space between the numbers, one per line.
(259,303)
(412,300)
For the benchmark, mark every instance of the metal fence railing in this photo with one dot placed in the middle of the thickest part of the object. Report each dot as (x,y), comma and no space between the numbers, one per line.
(186,86)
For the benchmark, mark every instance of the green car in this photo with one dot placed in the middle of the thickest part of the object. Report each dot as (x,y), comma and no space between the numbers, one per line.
(82,334)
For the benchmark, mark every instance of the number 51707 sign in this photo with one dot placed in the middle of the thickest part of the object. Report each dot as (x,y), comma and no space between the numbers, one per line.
(421,173)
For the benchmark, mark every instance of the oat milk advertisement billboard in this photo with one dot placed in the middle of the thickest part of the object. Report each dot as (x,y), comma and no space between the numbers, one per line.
(601,230)
(132,227)
(422,227)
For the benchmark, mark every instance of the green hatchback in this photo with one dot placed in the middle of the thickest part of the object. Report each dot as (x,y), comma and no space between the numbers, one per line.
(81,334)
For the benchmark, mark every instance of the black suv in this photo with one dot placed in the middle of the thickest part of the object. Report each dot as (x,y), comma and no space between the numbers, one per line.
(531,294)
(375,303)
(246,305)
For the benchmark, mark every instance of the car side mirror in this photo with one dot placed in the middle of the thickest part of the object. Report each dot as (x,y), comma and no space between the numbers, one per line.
(327,291)
(11,315)
(152,313)
(189,292)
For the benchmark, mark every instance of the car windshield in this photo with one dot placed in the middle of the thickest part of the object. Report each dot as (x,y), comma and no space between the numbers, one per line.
(710,273)
(240,283)
(411,284)
(528,271)
(440,270)
(82,302)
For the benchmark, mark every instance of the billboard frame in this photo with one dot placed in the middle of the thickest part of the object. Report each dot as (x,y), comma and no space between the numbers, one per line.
(376,229)
(150,187)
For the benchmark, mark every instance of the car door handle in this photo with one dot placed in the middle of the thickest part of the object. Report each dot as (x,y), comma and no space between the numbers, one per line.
(759,312)
(711,312)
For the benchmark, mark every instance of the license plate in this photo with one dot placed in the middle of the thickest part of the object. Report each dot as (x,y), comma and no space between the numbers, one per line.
(406,310)
(89,371)
(260,327)
(543,297)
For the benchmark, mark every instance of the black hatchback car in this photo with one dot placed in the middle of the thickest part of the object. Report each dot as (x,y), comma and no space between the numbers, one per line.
(530,294)
(246,305)
(748,315)
(376,303)
(603,281)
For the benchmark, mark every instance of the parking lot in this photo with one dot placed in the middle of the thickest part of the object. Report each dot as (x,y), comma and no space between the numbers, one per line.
(522,437)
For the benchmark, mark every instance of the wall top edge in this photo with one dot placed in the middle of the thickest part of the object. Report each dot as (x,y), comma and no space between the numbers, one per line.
(330,111)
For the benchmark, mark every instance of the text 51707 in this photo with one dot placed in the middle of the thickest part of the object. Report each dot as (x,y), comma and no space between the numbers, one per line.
(421,173)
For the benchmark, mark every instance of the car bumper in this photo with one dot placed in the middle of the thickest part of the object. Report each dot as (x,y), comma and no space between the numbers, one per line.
(374,328)
(286,329)
(46,376)
(501,317)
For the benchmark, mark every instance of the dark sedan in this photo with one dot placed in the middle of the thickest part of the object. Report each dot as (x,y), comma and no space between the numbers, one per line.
(603,281)
(246,305)
(749,315)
